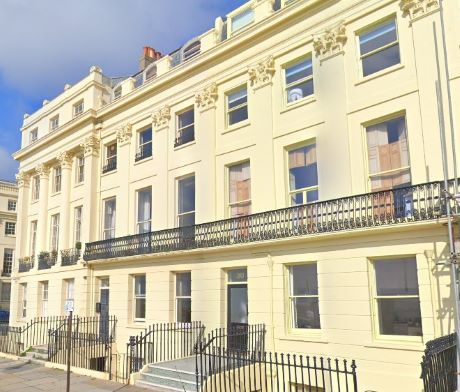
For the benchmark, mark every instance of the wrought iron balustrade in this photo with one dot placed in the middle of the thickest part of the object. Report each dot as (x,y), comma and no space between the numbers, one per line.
(397,206)
(25,264)
(110,166)
(47,259)
(70,256)
(143,152)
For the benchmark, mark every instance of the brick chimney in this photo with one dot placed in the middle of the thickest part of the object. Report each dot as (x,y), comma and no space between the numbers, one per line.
(148,57)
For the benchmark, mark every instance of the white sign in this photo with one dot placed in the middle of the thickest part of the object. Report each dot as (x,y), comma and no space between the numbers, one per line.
(68,306)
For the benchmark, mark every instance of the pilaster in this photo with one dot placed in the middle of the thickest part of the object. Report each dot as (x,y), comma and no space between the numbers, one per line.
(23,181)
(43,171)
(124,134)
(65,160)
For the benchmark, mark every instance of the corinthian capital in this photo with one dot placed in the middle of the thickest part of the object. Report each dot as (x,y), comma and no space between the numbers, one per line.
(65,159)
(90,145)
(262,73)
(418,8)
(330,42)
(161,117)
(206,98)
(22,179)
(42,170)
(124,133)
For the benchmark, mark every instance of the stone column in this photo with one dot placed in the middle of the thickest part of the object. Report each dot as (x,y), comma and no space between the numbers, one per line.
(22,242)
(89,230)
(43,171)
(65,159)
(122,220)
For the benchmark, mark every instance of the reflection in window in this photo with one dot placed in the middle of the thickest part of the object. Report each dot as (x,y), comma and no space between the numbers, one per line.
(144,210)
(139,297)
(299,80)
(184,297)
(243,19)
(240,189)
(186,201)
(303,175)
(237,106)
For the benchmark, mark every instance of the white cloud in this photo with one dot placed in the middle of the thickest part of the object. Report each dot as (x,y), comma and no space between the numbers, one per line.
(48,43)
(8,166)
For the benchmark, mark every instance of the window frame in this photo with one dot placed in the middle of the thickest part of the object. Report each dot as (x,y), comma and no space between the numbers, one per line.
(246,8)
(44,298)
(374,300)
(287,86)
(180,130)
(57,179)
(33,237)
(142,146)
(78,217)
(10,229)
(33,135)
(149,221)
(55,231)
(12,202)
(54,123)
(290,299)
(8,258)
(36,187)
(75,108)
(139,297)
(368,29)
(113,229)
(23,309)
(178,193)
(79,169)
(228,111)
(177,298)
(246,201)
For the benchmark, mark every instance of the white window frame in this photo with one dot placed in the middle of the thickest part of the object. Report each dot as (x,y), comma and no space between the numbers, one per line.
(105,230)
(54,123)
(10,229)
(180,214)
(33,135)
(368,29)
(33,237)
(80,169)
(179,130)
(44,298)
(241,106)
(143,145)
(139,296)
(107,149)
(292,297)
(78,108)
(12,205)
(117,93)
(78,215)
(8,256)
(57,179)
(54,237)
(287,86)
(139,223)
(236,203)
(36,188)
(245,9)
(23,313)
(179,297)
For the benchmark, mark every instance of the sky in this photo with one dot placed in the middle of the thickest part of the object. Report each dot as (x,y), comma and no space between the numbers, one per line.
(47,43)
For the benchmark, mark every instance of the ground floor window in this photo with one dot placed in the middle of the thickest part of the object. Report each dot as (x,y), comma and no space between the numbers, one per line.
(139,297)
(184,297)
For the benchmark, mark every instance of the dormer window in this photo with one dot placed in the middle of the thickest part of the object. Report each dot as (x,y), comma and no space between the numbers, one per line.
(33,135)
(117,93)
(242,19)
(54,123)
(192,50)
(78,108)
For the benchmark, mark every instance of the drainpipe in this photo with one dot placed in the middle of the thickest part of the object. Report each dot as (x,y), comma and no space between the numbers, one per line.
(272,310)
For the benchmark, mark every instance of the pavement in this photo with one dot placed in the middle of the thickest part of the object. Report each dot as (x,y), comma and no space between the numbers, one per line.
(20,376)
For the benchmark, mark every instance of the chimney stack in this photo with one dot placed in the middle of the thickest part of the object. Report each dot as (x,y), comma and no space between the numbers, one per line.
(149,56)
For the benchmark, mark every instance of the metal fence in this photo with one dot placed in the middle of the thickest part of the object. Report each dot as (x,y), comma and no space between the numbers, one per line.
(439,364)
(10,339)
(163,342)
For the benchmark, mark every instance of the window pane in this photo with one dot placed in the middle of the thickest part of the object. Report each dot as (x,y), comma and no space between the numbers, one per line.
(187,219)
(186,118)
(312,196)
(186,194)
(303,167)
(139,285)
(242,19)
(238,115)
(237,98)
(378,37)
(300,91)
(240,182)
(184,310)
(400,316)
(306,313)
(381,60)
(184,284)
(145,136)
(237,275)
(304,279)
(299,71)
(396,277)
(140,308)
(144,209)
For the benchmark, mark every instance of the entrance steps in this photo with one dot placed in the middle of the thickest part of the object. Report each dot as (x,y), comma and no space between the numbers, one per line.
(168,376)
(38,353)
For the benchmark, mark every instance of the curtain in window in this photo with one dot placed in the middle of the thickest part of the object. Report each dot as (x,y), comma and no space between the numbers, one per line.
(303,158)
(109,218)
(144,210)
(240,189)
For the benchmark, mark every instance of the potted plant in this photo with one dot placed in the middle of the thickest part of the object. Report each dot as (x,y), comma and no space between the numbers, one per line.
(43,255)
(78,246)
(53,258)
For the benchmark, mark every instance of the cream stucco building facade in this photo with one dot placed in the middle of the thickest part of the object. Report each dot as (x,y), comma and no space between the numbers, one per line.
(284,168)
(8,208)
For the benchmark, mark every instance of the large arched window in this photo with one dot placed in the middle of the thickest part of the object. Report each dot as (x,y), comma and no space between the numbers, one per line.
(191,50)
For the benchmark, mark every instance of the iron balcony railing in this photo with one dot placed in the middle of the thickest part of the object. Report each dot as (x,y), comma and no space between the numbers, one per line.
(47,259)
(25,264)
(111,165)
(143,152)
(70,256)
(415,203)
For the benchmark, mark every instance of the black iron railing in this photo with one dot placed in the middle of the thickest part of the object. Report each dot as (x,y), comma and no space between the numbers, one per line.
(439,364)
(110,165)
(163,342)
(26,264)
(70,256)
(10,339)
(47,259)
(397,206)
(143,152)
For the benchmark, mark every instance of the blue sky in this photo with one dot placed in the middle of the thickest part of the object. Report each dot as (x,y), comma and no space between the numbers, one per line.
(48,43)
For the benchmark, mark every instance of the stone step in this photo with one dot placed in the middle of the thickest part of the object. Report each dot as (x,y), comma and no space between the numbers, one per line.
(174,383)
(161,388)
(158,370)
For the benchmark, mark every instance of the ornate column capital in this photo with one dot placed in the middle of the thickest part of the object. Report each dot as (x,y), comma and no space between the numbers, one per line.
(418,8)
(331,42)
(90,145)
(206,98)
(261,74)
(124,133)
(42,170)
(23,179)
(65,159)
(161,117)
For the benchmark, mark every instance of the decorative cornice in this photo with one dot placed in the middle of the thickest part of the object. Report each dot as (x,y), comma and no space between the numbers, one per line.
(42,170)
(262,74)
(161,117)
(124,133)
(22,178)
(418,8)
(90,145)
(330,42)
(65,159)
(207,98)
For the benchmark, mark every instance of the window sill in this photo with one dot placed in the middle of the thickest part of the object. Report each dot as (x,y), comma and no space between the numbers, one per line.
(55,194)
(150,158)
(299,103)
(79,184)
(378,74)
(185,145)
(236,126)
(409,345)
(136,325)
(108,173)
(303,336)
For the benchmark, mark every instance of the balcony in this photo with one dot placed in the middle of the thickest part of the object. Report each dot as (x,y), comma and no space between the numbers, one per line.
(143,152)
(111,165)
(70,256)
(47,259)
(26,264)
(416,203)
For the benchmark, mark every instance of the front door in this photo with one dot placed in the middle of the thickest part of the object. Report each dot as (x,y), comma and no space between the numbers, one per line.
(237,310)
(104,326)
